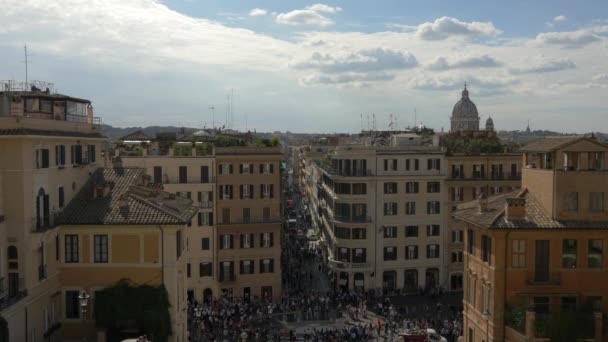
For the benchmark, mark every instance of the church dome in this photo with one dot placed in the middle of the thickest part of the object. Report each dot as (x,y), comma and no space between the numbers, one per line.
(465,108)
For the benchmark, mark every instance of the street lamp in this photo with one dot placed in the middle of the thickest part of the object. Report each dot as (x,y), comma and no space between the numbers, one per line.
(84,302)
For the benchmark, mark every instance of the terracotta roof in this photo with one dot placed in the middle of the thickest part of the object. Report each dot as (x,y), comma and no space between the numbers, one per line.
(137,135)
(27,131)
(549,144)
(127,203)
(493,217)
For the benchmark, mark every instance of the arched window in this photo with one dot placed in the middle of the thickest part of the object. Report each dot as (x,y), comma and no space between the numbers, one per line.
(42,210)
(12,252)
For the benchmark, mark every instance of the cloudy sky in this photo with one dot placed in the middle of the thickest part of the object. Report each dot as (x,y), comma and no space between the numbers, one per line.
(317,67)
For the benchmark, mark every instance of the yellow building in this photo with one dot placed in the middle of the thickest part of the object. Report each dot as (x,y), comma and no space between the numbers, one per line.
(534,258)
(49,143)
(119,227)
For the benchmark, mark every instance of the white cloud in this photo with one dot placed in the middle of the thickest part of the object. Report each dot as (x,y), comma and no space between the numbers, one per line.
(401,27)
(322,8)
(257,12)
(603,77)
(442,63)
(545,65)
(560,18)
(303,17)
(446,27)
(572,39)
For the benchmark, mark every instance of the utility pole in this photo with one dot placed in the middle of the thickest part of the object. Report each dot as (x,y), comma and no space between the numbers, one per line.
(212,117)
(25,52)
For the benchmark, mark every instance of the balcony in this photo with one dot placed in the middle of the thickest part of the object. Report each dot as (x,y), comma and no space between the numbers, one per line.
(345,173)
(345,265)
(252,220)
(549,279)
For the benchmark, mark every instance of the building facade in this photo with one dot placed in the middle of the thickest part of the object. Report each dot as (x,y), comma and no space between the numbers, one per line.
(468,177)
(379,210)
(541,249)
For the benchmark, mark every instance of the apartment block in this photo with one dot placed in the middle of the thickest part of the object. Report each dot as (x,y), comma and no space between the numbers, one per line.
(534,258)
(381,214)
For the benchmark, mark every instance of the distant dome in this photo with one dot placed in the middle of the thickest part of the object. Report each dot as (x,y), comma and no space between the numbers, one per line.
(465,108)
(489,124)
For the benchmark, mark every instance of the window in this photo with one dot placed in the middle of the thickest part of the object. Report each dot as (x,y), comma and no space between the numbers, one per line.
(32,105)
(410,208)
(433,164)
(359,255)
(411,165)
(359,189)
(188,269)
(596,201)
(519,254)
(479,171)
(596,160)
(158,175)
(247,240)
(390,232)
(343,254)
(486,248)
(205,269)
(266,265)
(266,240)
(225,169)
(343,188)
(457,236)
(205,219)
(266,168)
(458,171)
(204,174)
(541,304)
(359,233)
(266,215)
(76,154)
(359,212)
(568,304)
(225,192)
(569,253)
(390,209)
(390,253)
(60,197)
(570,201)
(457,194)
(433,187)
(456,256)
(411,252)
(267,190)
(226,241)
(71,248)
(247,267)
(225,215)
(178,243)
(432,230)
(46,106)
(91,154)
(595,302)
(471,242)
(183,174)
(411,187)
(342,233)
(42,158)
(432,251)
(205,244)
(411,231)
(60,155)
(100,248)
(72,305)
(595,254)
(390,188)
(485,300)
(246,168)
(472,285)
(432,207)
(246,191)
(390,164)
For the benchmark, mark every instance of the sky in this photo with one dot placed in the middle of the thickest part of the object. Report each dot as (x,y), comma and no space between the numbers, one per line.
(306,66)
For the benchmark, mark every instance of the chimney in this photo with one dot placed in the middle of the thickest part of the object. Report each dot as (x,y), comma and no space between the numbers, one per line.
(89,113)
(515,209)
(482,202)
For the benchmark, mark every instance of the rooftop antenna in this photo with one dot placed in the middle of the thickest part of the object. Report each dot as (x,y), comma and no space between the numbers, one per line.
(25,61)
(212,117)
(361,122)
(227,110)
(232,109)
(415,117)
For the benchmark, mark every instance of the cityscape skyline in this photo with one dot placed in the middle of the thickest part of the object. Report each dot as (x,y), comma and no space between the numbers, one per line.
(179,58)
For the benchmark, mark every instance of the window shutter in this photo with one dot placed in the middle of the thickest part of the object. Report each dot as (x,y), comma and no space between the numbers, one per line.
(199,196)
(407,164)
(251,168)
(429,164)
(56,154)
(271,265)
(211,219)
(210,196)
(416,164)
(483,172)
(221,241)
(230,190)
(385,164)
(241,168)
(251,191)
(261,190)
(428,251)
(261,168)
(241,190)
(251,240)
(385,187)
(230,169)
(271,190)
(271,168)
(438,161)
(242,241)
(261,239)
(231,241)
(271,239)
(200,219)
(428,207)
(416,252)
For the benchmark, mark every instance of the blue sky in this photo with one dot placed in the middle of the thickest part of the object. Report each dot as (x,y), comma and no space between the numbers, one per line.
(318,66)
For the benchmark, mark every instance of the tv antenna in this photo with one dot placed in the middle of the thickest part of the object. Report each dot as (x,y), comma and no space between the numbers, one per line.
(25,62)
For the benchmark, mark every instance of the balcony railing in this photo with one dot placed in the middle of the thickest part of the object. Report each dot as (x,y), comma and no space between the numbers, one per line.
(354,219)
(543,279)
(252,220)
(205,205)
(83,119)
(346,265)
